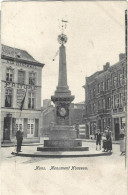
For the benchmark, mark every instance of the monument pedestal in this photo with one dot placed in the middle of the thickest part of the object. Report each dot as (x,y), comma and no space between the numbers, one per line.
(63,138)
(62,143)
(62,133)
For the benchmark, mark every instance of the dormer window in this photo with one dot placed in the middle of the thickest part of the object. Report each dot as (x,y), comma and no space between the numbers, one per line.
(18,55)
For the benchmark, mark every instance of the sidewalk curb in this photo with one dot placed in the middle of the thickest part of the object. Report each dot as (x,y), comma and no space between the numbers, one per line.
(93,141)
(14,145)
(60,155)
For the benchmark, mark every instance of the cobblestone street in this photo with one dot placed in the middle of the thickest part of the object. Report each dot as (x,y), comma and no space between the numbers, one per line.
(102,173)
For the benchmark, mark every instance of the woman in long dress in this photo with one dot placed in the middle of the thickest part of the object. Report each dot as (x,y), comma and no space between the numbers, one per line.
(109,141)
(104,138)
(122,142)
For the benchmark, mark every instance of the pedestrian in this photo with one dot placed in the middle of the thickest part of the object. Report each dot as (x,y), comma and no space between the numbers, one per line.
(105,137)
(21,140)
(19,137)
(122,142)
(98,139)
(77,129)
(109,141)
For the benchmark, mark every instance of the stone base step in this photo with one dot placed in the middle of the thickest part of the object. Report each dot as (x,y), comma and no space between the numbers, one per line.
(43,149)
(66,134)
(62,143)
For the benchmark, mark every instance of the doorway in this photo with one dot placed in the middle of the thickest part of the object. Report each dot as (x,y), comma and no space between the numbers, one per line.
(117,128)
(99,125)
(7,125)
(87,131)
(30,128)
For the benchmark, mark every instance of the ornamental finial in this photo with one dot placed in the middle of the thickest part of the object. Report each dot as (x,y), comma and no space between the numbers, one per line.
(62,38)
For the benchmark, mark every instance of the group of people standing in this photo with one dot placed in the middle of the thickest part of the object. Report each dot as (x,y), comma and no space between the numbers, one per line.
(106,139)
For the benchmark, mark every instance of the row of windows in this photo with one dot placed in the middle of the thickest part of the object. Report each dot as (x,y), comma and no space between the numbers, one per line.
(116,81)
(116,101)
(9,98)
(21,76)
(103,123)
(30,125)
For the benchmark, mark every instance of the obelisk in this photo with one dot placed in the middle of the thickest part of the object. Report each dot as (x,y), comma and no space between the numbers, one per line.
(62,135)
(62,97)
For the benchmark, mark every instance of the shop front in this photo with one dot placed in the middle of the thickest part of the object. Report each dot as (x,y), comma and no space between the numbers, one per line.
(29,124)
(118,126)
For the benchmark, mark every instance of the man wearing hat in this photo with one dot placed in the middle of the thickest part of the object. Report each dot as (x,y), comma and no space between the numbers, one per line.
(19,137)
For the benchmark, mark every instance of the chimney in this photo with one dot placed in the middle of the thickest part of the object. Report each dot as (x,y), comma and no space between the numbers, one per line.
(106,66)
(121,56)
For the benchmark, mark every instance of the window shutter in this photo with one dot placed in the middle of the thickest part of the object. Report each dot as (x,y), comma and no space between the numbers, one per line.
(112,101)
(25,127)
(13,127)
(36,127)
(21,77)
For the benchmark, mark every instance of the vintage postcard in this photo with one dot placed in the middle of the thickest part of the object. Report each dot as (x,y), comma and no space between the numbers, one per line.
(63,117)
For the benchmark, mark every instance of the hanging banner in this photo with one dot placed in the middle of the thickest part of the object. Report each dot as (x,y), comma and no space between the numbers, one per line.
(21,86)
(20,96)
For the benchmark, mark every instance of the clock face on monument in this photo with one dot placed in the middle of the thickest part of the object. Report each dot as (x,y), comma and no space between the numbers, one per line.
(62,111)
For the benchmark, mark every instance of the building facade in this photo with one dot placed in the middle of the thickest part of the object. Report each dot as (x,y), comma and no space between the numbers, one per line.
(105,99)
(20,95)
(77,112)
(48,117)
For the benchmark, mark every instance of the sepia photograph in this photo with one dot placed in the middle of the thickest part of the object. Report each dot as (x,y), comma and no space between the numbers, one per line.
(63,85)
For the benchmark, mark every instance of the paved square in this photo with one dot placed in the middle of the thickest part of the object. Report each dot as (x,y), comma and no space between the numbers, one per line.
(105,175)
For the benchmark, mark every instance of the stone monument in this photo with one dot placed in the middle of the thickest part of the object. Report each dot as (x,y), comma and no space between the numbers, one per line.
(62,136)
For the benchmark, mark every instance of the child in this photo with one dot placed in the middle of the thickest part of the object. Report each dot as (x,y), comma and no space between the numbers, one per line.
(98,139)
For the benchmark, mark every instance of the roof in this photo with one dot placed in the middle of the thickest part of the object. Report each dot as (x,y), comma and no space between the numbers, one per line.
(100,73)
(94,75)
(18,55)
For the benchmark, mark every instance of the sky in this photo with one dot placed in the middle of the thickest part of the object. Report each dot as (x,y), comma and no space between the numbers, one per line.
(95,31)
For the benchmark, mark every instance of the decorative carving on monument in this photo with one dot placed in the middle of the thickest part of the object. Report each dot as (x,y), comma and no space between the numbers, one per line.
(62,38)
(62,110)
